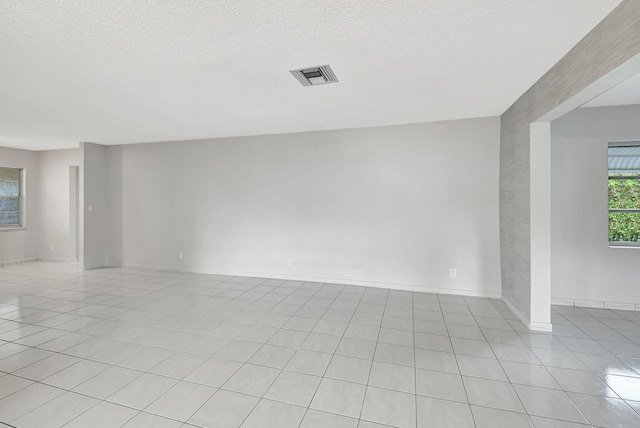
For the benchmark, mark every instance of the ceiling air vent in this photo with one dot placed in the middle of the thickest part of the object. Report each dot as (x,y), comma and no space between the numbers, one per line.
(314,76)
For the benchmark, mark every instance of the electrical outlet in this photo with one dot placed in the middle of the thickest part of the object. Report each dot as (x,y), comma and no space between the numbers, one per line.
(50,247)
(290,261)
(89,208)
(180,255)
(453,272)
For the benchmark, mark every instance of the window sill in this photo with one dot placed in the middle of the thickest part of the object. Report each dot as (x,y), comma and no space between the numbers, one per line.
(12,229)
(624,244)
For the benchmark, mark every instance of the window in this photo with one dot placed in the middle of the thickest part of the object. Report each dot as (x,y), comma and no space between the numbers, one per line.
(10,197)
(624,194)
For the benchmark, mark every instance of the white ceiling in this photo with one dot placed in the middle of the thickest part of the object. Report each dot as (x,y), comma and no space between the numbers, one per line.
(626,93)
(123,71)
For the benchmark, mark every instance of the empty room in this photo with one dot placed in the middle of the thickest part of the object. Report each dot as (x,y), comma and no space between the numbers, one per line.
(340,214)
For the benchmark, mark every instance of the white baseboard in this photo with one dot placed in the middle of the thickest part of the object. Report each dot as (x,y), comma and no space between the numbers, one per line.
(36,259)
(391,286)
(18,261)
(546,327)
(56,260)
(534,326)
(599,304)
(563,302)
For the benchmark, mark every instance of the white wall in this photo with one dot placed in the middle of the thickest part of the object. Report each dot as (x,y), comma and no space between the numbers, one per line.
(393,205)
(22,244)
(56,217)
(583,266)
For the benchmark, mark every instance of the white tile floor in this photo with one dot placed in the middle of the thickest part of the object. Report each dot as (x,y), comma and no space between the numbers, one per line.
(132,348)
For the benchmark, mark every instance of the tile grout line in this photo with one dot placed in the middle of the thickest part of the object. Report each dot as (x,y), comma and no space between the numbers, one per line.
(238,309)
(375,349)
(329,364)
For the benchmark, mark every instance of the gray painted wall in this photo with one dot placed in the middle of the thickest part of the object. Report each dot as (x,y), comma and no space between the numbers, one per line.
(614,41)
(55,216)
(47,206)
(393,206)
(583,267)
(20,244)
(99,223)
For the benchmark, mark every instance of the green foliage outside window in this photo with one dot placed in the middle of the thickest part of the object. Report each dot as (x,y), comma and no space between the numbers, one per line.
(624,194)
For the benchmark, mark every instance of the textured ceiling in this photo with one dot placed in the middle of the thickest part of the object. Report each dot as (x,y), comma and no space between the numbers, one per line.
(626,93)
(123,71)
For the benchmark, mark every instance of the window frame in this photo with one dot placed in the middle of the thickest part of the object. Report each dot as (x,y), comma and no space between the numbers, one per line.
(621,244)
(21,205)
